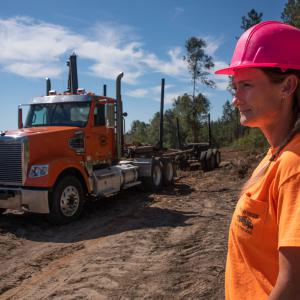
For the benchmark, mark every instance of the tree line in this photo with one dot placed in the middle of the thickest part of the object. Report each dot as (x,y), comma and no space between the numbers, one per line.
(187,120)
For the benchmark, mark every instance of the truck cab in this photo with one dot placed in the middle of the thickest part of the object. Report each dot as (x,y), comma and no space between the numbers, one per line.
(62,134)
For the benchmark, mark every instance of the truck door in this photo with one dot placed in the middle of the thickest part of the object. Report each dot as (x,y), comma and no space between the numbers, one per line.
(98,146)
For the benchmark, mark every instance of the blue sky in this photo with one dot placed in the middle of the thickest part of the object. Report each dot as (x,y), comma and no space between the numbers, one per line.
(143,39)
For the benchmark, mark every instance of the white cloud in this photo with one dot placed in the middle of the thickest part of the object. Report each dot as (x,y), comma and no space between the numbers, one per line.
(175,67)
(157,89)
(111,33)
(220,65)
(170,97)
(221,80)
(155,93)
(138,93)
(34,48)
(34,69)
(177,11)
(222,85)
(212,44)
(28,47)
(110,60)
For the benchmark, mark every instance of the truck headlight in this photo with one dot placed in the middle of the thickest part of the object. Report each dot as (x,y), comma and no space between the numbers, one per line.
(38,171)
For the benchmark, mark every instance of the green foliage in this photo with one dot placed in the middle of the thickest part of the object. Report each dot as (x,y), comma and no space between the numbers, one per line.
(190,114)
(153,132)
(252,18)
(226,129)
(253,141)
(225,132)
(138,133)
(228,112)
(291,13)
(170,133)
(198,61)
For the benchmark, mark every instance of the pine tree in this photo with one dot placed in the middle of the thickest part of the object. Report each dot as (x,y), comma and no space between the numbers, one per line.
(199,63)
(291,13)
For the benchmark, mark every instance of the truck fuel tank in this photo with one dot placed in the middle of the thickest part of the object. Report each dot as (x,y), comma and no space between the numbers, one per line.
(110,181)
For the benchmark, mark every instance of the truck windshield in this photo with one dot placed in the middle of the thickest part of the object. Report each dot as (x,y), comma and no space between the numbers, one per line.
(58,114)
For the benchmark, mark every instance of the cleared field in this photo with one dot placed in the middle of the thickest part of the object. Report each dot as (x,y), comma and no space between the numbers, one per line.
(170,245)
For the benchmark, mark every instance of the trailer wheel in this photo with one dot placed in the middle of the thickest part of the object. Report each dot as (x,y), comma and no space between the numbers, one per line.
(168,172)
(218,157)
(154,183)
(66,200)
(210,160)
(202,159)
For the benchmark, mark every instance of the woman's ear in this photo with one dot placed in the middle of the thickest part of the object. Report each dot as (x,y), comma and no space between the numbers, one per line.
(289,85)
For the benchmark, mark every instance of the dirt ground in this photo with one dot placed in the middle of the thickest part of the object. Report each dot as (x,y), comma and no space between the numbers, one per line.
(170,245)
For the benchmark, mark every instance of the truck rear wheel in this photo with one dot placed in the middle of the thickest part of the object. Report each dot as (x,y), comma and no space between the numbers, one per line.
(168,172)
(66,200)
(154,183)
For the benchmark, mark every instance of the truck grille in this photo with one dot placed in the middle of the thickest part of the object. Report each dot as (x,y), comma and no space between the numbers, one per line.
(11,163)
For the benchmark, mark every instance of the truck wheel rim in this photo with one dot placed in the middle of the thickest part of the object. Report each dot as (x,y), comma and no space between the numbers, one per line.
(157,175)
(69,201)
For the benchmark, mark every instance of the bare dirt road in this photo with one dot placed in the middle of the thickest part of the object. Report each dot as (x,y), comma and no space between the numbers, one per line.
(170,245)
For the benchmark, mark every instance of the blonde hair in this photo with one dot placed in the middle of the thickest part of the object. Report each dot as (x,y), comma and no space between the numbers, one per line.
(277,76)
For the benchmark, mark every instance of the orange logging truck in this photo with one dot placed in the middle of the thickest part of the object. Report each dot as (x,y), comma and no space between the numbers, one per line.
(70,149)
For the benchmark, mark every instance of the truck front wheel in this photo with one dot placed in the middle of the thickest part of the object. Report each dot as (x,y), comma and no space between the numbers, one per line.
(66,200)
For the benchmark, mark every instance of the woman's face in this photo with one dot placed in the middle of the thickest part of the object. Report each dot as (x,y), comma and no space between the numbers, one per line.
(257,98)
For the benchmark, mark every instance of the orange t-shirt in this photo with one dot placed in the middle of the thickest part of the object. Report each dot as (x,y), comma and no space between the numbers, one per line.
(267,217)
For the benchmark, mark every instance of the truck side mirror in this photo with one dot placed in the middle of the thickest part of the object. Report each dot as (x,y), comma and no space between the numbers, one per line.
(20,118)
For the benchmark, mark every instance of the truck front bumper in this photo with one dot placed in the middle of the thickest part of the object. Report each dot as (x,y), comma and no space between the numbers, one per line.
(24,200)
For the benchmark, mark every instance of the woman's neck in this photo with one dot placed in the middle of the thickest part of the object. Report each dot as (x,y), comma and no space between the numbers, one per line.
(277,132)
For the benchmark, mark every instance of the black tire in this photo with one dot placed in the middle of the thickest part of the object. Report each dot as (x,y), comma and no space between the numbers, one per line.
(154,183)
(168,172)
(66,200)
(2,211)
(210,160)
(218,157)
(203,161)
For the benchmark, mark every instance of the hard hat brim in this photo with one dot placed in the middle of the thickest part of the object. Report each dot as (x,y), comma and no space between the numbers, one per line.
(231,70)
(226,71)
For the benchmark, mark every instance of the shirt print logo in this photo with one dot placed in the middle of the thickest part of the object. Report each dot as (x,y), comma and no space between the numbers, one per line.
(244,220)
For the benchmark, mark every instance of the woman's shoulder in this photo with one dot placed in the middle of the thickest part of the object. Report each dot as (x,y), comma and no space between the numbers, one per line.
(288,163)
(291,152)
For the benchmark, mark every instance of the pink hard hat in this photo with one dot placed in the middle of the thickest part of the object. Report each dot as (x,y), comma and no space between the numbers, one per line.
(267,44)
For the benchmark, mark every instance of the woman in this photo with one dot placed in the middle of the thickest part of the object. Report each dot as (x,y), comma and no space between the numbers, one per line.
(263,260)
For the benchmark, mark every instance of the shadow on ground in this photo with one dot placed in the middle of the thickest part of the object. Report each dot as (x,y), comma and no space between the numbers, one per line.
(127,211)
